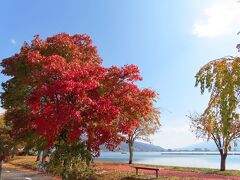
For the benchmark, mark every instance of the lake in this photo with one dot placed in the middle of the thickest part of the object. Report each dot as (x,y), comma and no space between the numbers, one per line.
(200,160)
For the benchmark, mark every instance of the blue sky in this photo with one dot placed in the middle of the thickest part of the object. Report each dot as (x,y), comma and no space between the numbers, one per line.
(169,40)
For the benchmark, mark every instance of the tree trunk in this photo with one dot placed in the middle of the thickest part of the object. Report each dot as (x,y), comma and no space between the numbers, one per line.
(38,156)
(44,155)
(130,145)
(1,162)
(89,151)
(25,151)
(64,175)
(223,161)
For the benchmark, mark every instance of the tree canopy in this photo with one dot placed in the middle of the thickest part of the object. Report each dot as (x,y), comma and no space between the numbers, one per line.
(148,125)
(59,85)
(6,142)
(220,120)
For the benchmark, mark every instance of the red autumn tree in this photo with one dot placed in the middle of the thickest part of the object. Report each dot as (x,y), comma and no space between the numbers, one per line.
(61,85)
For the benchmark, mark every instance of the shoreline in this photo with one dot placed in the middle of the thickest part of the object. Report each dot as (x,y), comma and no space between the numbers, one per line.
(190,160)
(178,152)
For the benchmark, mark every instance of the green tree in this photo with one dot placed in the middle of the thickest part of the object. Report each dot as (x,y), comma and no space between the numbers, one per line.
(220,120)
(6,143)
(70,160)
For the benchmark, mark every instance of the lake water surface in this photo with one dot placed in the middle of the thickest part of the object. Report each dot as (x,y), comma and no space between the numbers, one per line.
(182,159)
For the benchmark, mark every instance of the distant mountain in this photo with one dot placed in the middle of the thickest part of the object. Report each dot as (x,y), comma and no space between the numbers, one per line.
(204,146)
(138,147)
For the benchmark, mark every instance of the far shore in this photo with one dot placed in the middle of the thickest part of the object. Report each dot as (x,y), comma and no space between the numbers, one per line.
(179,152)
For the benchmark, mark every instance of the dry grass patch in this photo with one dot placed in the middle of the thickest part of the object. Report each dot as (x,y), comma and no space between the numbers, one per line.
(28,162)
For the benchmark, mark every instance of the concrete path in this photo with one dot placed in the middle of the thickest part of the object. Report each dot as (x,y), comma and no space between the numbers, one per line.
(14,173)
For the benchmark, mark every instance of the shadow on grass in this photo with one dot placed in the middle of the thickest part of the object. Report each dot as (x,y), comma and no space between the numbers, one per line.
(138,178)
(133,178)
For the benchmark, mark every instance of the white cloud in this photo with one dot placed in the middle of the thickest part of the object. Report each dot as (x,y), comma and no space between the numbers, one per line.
(13,41)
(221,18)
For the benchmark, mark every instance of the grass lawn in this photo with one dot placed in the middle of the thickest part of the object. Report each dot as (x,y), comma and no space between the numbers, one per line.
(30,163)
(205,170)
(130,175)
(183,169)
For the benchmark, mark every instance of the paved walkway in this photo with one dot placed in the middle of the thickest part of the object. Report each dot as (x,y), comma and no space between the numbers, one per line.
(15,173)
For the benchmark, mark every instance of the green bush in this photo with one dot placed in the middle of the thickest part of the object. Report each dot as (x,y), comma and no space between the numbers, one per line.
(72,160)
(75,171)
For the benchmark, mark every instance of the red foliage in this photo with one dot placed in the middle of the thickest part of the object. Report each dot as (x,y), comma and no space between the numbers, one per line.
(71,90)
